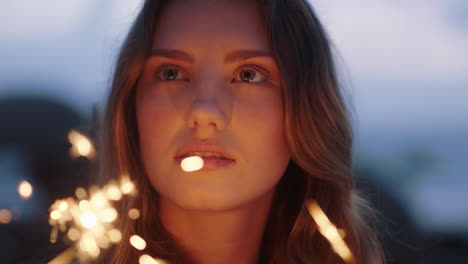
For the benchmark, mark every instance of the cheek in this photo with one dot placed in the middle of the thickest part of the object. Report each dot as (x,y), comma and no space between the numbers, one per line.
(261,131)
(262,124)
(156,124)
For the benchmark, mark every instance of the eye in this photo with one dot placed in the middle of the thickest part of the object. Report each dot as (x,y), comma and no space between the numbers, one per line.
(170,73)
(250,75)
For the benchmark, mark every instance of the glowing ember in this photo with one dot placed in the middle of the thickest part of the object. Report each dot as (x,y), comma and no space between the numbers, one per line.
(192,163)
(5,216)
(329,231)
(137,242)
(25,189)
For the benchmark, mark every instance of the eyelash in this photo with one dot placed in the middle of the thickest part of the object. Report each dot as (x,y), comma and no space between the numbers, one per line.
(255,68)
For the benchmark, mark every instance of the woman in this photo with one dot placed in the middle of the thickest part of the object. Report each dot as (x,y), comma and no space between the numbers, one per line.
(253,81)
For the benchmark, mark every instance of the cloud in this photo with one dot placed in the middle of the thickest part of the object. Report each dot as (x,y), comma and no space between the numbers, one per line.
(23,18)
(398,39)
(72,42)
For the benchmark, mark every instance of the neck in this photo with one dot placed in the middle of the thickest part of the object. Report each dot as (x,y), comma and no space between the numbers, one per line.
(230,236)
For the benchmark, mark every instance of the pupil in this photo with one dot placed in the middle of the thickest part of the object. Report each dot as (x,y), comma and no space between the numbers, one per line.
(248,75)
(170,74)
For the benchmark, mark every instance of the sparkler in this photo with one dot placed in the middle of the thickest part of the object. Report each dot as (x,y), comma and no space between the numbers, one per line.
(330,232)
(88,222)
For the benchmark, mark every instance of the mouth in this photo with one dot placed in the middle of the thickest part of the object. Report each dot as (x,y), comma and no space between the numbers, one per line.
(210,162)
(204,155)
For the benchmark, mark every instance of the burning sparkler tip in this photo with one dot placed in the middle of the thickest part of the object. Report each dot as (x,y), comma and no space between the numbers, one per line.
(192,163)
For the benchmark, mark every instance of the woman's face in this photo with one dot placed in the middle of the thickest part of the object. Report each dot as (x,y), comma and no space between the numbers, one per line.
(210,78)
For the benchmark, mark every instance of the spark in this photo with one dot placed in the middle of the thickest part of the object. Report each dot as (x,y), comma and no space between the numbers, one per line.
(5,216)
(192,163)
(134,213)
(147,259)
(137,242)
(25,189)
(126,185)
(80,193)
(89,220)
(81,145)
(115,236)
(330,232)
(113,192)
(74,234)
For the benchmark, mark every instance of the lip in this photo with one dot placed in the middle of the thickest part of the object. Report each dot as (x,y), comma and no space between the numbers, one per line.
(211,163)
(203,146)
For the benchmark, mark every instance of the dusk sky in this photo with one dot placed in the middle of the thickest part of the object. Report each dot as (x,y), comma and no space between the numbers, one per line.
(403,65)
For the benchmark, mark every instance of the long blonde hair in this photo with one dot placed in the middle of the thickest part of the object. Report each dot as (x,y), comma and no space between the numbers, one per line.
(317,129)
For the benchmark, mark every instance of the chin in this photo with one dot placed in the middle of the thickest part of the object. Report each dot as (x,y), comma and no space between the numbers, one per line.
(208,201)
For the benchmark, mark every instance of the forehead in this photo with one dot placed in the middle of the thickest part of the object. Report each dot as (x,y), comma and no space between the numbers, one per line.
(207,25)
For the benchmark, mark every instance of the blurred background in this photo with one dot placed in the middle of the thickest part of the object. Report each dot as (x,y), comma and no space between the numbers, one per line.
(403,66)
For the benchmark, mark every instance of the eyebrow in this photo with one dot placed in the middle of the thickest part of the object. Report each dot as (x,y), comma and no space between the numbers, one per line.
(232,57)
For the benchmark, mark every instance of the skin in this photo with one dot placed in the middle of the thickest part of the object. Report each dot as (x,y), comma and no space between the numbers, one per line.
(216,216)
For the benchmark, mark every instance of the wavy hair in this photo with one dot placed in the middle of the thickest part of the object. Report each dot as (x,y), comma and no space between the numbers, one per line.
(317,129)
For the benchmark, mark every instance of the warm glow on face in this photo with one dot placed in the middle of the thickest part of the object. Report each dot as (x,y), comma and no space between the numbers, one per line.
(193,163)
(330,232)
(25,189)
(5,216)
(137,242)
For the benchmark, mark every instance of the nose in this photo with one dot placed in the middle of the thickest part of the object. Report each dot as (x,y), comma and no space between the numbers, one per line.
(206,116)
